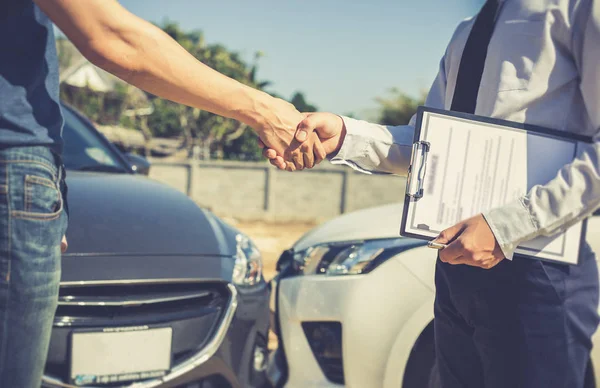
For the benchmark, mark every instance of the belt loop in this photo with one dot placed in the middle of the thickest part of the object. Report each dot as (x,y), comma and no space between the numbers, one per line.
(59,177)
(64,188)
(62,184)
(58,164)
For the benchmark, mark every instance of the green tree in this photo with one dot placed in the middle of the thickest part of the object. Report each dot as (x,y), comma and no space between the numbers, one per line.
(299,101)
(164,121)
(215,135)
(200,128)
(398,107)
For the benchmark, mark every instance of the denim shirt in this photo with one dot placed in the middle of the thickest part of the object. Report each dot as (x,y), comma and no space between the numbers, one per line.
(542,68)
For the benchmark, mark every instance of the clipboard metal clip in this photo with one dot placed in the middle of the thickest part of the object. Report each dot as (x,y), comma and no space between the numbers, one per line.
(417,169)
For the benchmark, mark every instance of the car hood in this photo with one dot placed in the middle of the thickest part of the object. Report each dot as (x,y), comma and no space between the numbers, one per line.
(130,214)
(372,223)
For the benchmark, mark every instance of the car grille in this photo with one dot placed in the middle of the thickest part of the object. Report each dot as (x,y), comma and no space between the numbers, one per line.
(193,309)
(100,304)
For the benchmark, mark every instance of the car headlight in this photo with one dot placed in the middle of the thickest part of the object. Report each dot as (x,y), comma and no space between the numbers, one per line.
(247,270)
(349,258)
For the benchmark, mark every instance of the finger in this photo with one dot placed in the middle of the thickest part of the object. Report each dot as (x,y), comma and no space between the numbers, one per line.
(281,163)
(298,160)
(485,260)
(307,152)
(278,162)
(293,149)
(290,167)
(64,245)
(309,160)
(449,234)
(461,260)
(306,127)
(453,251)
(319,152)
(269,153)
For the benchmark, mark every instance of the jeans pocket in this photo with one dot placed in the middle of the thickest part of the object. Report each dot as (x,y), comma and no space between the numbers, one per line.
(42,199)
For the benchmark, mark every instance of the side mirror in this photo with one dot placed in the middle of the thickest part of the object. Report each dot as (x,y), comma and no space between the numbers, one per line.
(138,163)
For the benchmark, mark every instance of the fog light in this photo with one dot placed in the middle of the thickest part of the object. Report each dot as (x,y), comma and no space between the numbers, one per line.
(325,340)
(260,359)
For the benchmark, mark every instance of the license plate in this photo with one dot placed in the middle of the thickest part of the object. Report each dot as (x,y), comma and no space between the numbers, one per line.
(120,354)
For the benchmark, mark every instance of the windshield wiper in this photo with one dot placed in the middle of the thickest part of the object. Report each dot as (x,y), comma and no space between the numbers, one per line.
(102,168)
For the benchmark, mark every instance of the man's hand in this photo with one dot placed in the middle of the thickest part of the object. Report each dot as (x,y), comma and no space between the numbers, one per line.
(64,244)
(470,242)
(276,129)
(330,129)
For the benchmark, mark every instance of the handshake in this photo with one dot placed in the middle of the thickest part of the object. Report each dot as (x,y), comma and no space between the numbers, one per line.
(294,141)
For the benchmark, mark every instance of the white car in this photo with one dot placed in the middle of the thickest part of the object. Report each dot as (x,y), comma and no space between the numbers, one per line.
(353,306)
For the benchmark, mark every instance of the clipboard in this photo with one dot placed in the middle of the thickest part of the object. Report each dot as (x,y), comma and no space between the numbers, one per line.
(459,169)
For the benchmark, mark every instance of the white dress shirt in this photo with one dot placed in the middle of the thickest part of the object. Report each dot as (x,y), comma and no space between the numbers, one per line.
(542,68)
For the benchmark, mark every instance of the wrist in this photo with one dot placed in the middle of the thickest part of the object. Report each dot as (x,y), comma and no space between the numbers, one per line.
(255,109)
(338,139)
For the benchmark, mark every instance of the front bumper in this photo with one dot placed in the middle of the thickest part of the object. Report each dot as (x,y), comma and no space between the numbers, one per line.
(226,359)
(372,312)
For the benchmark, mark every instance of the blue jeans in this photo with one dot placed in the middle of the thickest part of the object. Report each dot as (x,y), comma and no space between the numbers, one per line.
(32,223)
(522,324)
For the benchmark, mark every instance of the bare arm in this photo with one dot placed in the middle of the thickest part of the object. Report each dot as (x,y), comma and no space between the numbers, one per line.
(143,55)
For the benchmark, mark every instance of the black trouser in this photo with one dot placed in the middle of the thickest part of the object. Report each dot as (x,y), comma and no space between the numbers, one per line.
(523,324)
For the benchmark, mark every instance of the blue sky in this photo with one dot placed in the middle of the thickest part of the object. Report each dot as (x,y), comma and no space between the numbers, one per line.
(341,53)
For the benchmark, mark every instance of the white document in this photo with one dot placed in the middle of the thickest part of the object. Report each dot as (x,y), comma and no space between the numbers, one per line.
(473,166)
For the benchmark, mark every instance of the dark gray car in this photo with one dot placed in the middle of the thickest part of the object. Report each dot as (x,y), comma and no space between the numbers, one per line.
(155,291)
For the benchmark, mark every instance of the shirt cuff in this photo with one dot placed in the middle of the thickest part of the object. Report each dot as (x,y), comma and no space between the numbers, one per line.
(511,224)
(354,146)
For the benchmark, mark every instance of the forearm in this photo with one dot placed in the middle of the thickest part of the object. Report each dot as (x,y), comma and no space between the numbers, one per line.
(551,208)
(148,58)
(372,148)
(143,55)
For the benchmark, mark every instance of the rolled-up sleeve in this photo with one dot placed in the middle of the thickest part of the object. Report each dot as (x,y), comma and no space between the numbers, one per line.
(380,149)
(575,191)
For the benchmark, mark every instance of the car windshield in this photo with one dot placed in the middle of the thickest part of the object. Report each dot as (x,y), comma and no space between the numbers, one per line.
(84,150)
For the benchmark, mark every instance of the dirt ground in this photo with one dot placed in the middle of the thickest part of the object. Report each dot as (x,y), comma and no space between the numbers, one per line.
(272,239)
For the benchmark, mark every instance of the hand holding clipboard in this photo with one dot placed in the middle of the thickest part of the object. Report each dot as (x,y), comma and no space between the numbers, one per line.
(463,165)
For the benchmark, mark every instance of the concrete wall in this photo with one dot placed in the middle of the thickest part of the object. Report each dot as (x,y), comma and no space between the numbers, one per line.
(258,191)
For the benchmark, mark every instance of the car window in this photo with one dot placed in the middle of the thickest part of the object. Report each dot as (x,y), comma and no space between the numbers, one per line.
(83,150)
